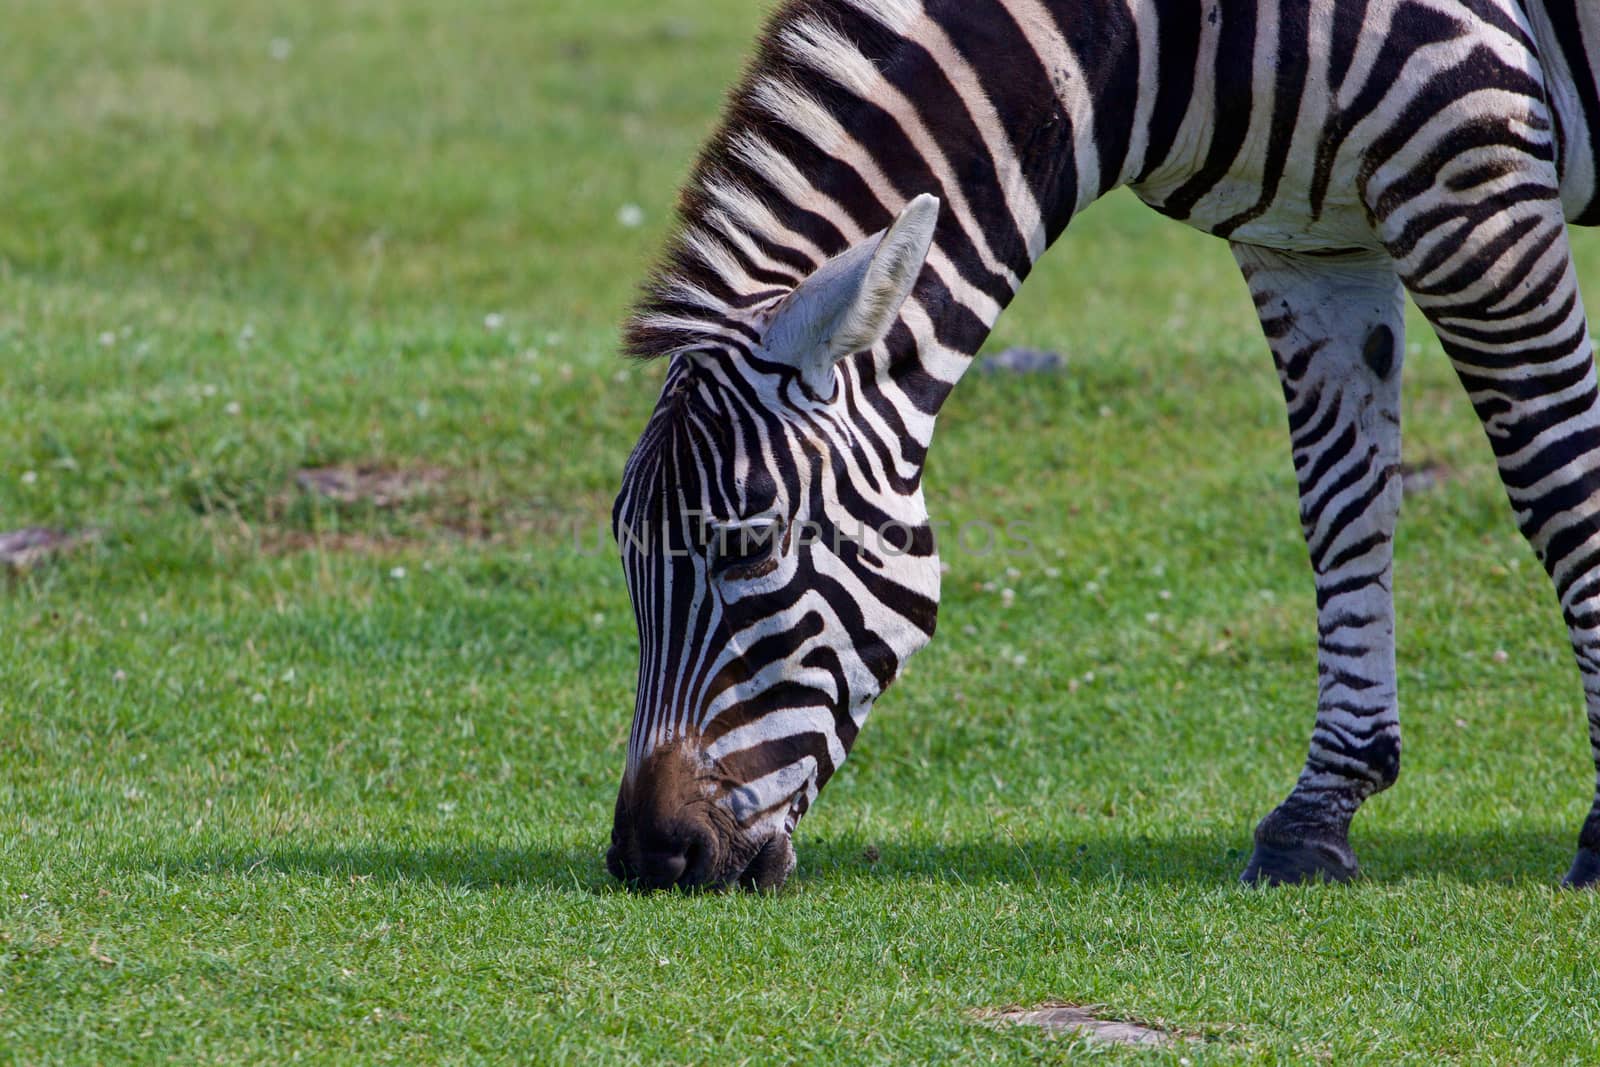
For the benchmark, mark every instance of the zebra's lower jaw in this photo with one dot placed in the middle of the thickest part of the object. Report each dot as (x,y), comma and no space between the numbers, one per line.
(772,865)
(670,832)
(769,865)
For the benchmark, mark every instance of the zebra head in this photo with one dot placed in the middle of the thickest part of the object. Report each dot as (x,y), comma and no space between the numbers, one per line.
(781,567)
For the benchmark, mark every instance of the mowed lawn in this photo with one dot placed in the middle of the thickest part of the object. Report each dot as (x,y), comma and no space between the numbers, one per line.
(282,776)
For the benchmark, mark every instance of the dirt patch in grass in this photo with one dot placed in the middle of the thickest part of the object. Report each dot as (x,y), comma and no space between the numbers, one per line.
(22,549)
(276,542)
(1422,477)
(1079,1021)
(384,508)
(380,486)
(1023,361)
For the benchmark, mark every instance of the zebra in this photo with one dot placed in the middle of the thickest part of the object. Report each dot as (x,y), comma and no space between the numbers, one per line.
(884,177)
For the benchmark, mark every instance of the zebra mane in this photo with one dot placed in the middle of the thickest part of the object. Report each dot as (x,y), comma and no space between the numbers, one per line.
(749,226)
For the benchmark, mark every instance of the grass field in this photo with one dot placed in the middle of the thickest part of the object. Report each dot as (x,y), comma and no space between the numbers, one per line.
(285,777)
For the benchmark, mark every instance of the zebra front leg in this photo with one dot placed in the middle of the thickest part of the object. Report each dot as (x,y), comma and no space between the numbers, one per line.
(1495,278)
(1336,326)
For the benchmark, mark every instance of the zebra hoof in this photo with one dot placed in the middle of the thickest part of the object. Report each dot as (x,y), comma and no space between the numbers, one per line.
(1290,855)
(1273,865)
(1585,873)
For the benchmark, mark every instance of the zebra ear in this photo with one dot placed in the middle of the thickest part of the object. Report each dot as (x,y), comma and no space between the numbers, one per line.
(850,302)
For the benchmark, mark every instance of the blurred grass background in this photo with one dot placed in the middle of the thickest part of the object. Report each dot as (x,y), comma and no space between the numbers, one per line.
(280,775)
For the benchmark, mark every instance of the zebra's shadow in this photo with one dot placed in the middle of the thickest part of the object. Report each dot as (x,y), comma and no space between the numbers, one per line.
(1202,859)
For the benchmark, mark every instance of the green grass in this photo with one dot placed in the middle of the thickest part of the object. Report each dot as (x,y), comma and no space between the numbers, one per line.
(284,778)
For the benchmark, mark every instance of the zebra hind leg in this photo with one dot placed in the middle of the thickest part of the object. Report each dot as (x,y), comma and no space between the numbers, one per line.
(1336,328)
(1495,278)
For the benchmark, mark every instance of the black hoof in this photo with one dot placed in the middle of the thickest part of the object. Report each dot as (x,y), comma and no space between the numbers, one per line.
(1308,862)
(1585,873)
(1291,850)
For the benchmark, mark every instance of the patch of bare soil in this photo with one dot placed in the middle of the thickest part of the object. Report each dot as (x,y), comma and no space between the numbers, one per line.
(1079,1021)
(22,549)
(1421,477)
(377,485)
(387,508)
(276,542)
(1023,361)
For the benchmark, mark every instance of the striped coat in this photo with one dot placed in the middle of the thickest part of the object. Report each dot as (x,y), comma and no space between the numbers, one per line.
(887,174)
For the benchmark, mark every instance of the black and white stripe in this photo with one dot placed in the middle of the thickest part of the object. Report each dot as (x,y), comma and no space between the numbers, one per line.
(887,174)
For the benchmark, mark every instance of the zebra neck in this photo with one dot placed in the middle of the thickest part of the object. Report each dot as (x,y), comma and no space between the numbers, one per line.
(1016,113)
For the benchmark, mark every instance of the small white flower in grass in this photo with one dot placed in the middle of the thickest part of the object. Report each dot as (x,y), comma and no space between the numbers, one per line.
(208,390)
(280,49)
(30,477)
(598,618)
(1152,617)
(1501,655)
(1091,588)
(1105,411)
(493,321)
(1165,594)
(233,407)
(1013,573)
(119,676)
(247,333)
(258,698)
(1088,677)
(1052,572)
(630,216)
(663,962)
(447,807)
(1019,660)
(397,573)
(108,338)
(1008,597)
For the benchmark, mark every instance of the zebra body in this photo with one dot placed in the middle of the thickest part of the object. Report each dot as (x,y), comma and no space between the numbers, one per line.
(888,173)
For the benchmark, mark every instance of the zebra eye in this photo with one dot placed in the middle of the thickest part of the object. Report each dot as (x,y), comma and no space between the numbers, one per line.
(746,550)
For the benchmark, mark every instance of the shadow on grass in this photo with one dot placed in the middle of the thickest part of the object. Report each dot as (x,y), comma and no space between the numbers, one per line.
(1498,856)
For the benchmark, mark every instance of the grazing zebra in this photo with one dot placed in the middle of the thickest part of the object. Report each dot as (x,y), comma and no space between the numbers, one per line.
(887,173)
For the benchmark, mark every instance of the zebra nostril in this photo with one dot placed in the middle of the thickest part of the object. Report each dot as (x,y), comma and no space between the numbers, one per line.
(704,854)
